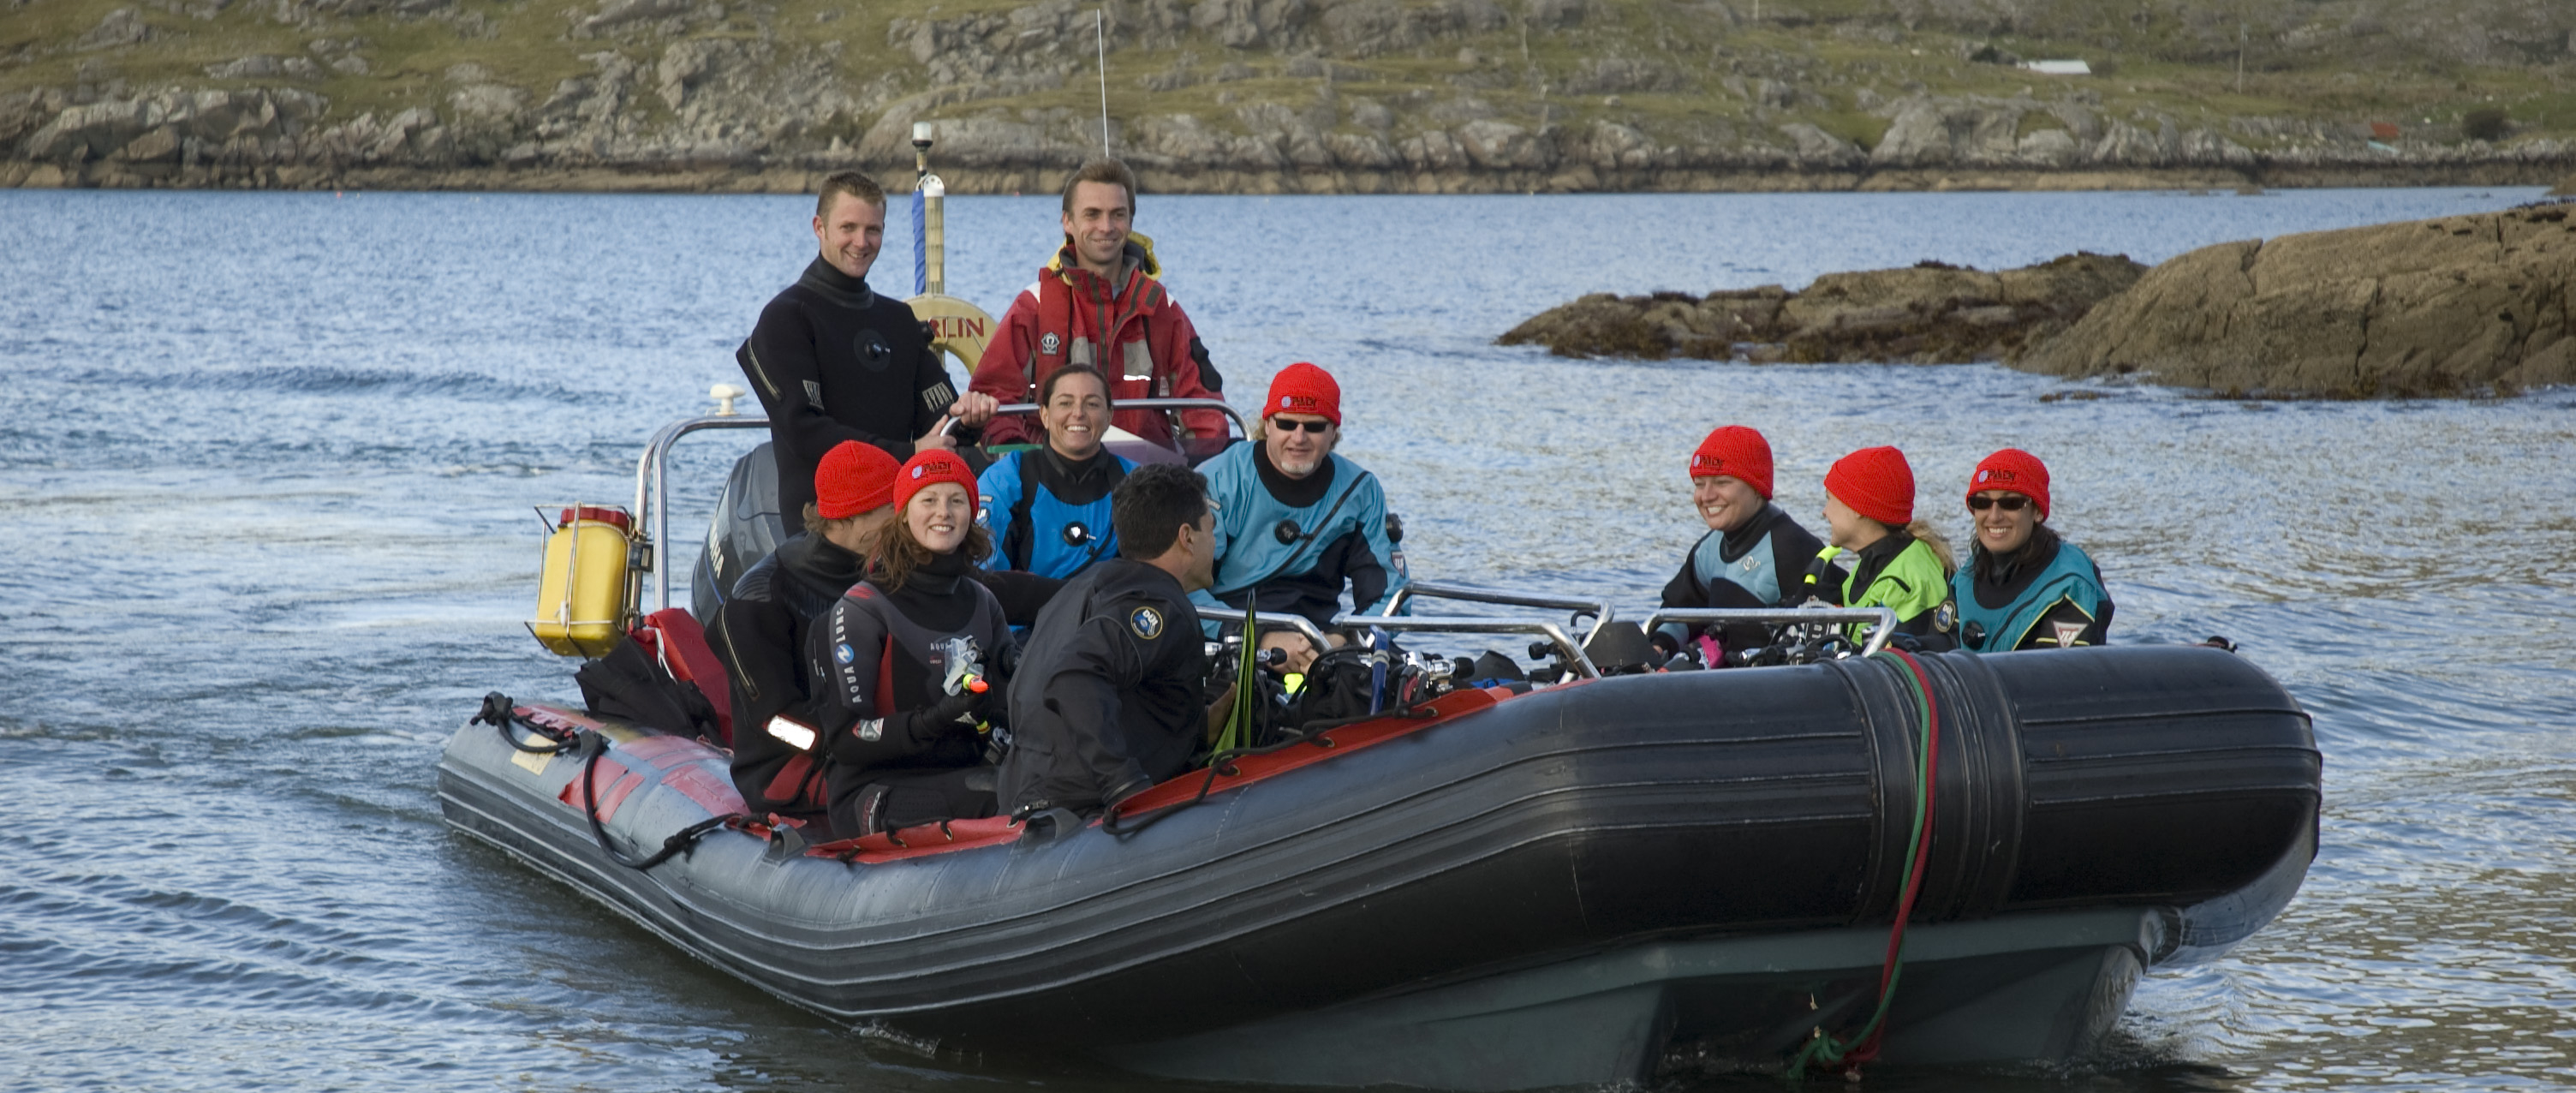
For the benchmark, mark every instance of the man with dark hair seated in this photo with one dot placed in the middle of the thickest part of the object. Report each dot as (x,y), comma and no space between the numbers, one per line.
(1111,692)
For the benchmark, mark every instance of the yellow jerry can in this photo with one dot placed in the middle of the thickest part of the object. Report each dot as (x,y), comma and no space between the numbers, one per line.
(581,593)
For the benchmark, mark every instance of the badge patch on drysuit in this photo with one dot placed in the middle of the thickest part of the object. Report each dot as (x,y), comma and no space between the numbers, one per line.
(1945,616)
(814,394)
(873,351)
(2069,634)
(845,654)
(1146,622)
(1049,344)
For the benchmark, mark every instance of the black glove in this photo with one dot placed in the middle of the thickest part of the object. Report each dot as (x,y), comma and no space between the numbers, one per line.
(993,707)
(927,725)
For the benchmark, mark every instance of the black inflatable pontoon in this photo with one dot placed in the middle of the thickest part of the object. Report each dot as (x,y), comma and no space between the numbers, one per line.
(1522,890)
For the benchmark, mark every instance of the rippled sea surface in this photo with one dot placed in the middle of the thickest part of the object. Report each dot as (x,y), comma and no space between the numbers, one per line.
(266,477)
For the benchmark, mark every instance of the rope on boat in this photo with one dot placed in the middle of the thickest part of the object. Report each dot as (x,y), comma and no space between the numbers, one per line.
(500,713)
(679,842)
(1824,1050)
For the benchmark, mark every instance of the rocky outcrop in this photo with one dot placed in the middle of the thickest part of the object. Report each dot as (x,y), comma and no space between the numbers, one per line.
(2458,305)
(1929,314)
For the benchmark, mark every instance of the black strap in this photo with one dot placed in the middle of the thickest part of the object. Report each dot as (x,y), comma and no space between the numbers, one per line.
(500,713)
(1019,545)
(679,843)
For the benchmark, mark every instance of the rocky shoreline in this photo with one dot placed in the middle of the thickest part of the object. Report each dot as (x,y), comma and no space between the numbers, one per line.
(2453,307)
(285,139)
(1247,97)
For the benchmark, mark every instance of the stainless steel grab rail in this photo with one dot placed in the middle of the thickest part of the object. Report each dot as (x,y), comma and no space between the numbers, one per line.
(653,491)
(1299,623)
(1130,404)
(1884,618)
(1566,646)
(1600,610)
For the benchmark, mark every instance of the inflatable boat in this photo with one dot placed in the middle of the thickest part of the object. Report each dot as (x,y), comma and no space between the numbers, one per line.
(1909,859)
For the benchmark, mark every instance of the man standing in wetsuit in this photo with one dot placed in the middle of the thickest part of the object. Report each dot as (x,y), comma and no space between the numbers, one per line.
(1097,302)
(1111,692)
(1753,554)
(833,361)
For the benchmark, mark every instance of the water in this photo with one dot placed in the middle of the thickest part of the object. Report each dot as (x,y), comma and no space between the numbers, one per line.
(265,493)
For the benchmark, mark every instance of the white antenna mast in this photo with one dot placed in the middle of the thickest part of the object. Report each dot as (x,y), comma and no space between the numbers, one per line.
(1100,27)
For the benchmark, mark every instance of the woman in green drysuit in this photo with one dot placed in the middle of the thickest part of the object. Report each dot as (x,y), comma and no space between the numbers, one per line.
(1899,562)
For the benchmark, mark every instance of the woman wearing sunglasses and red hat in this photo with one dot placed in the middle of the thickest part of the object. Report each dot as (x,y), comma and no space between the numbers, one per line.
(2024,588)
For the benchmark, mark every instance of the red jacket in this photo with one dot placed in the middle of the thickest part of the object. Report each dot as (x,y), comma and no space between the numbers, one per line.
(1068,303)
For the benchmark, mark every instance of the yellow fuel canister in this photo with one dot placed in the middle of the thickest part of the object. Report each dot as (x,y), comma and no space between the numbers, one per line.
(581,593)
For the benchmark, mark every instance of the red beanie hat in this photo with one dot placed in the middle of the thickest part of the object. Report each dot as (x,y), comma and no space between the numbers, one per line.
(1302,388)
(2015,471)
(853,478)
(1876,483)
(1736,452)
(934,465)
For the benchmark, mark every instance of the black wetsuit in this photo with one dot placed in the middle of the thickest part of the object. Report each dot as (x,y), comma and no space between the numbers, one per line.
(1997,581)
(833,361)
(760,636)
(894,714)
(1111,692)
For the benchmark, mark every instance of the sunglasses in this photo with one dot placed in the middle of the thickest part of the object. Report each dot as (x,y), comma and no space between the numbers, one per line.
(2011,502)
(1316,427)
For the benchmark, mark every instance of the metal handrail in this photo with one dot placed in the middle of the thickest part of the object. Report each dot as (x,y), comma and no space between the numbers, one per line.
(1130,404)
(653,490)
(1566,646)
(1600,610)
(1299,623)
(1878,636)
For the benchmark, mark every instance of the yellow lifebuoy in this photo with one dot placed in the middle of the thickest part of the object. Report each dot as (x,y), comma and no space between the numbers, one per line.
(957,327)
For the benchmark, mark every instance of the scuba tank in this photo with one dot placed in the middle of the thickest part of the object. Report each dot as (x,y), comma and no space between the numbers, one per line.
(584,592)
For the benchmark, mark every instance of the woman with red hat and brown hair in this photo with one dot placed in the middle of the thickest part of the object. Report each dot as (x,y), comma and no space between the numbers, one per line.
(1753,552)
(1899,562)
(908,664)
(2024,587)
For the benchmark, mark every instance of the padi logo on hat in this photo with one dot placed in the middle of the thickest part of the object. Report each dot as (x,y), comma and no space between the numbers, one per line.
(1997,476)
(1706,462)
(916,471)
(1286,401)
(1146,622)
(1983,475)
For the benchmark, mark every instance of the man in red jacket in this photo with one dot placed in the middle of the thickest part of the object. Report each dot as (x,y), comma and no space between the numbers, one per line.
(1098,303)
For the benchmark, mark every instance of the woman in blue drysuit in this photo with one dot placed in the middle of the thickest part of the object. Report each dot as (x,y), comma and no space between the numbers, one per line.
(1048,507)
